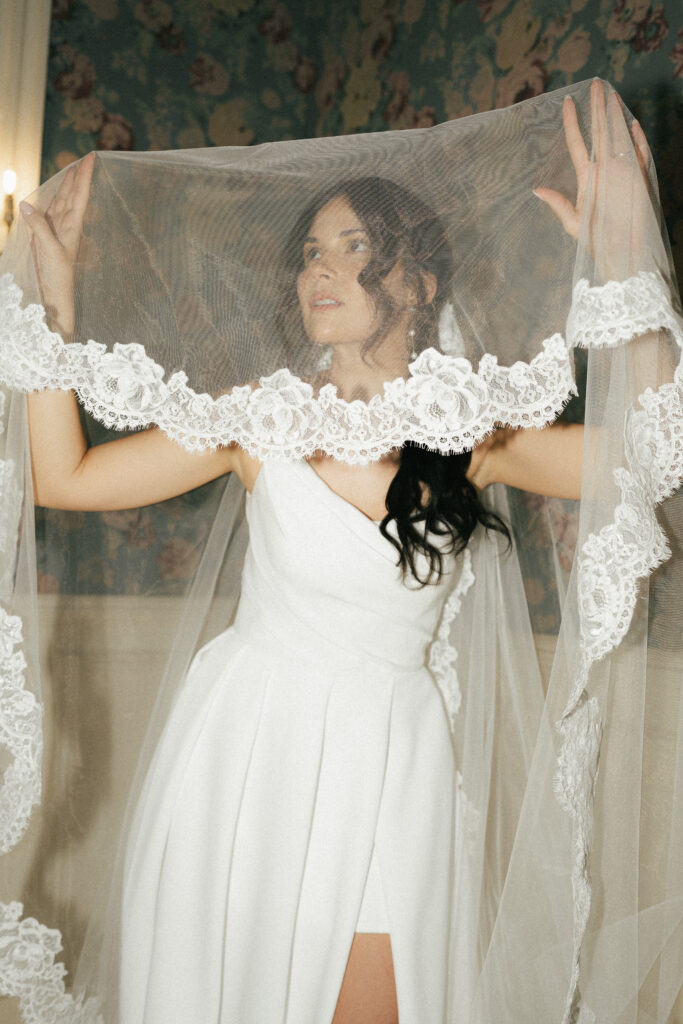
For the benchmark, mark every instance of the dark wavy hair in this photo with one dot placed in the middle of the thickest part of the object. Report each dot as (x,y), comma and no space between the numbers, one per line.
(430,494)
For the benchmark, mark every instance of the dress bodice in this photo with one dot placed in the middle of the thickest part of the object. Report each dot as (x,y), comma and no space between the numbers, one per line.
(319,574)
(308,744)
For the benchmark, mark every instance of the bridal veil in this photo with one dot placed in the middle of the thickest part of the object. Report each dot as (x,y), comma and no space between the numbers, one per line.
(559,661)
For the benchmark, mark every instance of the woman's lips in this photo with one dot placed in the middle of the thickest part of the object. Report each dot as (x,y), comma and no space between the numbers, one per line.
(320,303)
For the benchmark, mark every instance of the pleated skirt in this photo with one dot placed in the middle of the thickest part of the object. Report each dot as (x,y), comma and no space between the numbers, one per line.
(278,782)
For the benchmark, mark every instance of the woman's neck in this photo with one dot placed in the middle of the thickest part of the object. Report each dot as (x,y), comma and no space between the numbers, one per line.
(360,378)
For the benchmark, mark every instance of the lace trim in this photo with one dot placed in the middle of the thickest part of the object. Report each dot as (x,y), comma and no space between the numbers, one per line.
(442,664)
(574,783)
(28,972)
(611,564)
(125,389)
(442,654)
(613,560)
(20,734)
(444,403)
(612,313)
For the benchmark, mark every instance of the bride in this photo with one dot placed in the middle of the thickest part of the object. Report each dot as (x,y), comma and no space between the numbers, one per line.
(291,851)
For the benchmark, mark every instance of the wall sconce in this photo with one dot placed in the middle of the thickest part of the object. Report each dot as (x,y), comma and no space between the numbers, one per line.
(9,183)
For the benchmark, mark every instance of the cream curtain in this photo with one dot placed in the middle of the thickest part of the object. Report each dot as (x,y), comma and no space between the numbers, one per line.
(24,37)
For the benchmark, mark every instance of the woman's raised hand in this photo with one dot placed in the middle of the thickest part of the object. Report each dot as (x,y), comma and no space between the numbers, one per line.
(55,238)
(619,180)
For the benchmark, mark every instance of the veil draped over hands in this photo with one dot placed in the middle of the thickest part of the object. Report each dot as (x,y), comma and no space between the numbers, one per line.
(559,661)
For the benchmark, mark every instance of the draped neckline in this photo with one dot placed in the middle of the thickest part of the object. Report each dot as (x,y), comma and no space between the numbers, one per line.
(364,528)
(353,509)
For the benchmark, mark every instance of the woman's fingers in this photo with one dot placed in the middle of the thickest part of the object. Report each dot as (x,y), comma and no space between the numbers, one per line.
(80,191)
(55,239)
(611,142)
(60,201)
(64,215)
(40,230)
(598,115)
(567,214)
(642,149)
(74,190)
(620,136)
(578,153)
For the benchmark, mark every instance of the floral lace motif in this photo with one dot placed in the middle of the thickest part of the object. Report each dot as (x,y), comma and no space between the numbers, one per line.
(441,662)
(574,781)
(611,563)
(442,654)
(28,972)
(20,734)
(444,403)
(615,312)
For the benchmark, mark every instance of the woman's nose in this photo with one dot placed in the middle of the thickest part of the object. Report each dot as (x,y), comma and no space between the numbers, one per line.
(324,266)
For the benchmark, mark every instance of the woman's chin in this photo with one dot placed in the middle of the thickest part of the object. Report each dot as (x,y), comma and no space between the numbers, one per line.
(332,338)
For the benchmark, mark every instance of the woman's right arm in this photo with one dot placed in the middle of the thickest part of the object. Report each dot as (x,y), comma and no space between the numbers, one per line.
(132,471)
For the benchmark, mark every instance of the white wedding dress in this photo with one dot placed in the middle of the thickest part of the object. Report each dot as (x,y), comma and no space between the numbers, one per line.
(309,743)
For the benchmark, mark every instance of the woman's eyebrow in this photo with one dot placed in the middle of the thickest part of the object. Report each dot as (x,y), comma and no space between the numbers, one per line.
(349,231)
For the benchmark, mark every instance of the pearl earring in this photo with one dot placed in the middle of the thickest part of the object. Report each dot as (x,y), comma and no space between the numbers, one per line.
(411,337)
(411,343)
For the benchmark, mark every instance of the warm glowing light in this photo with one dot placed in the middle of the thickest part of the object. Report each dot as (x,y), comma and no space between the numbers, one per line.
(9,182)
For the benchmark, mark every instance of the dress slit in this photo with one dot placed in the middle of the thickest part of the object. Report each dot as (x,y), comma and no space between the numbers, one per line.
(301,788)
(372,916)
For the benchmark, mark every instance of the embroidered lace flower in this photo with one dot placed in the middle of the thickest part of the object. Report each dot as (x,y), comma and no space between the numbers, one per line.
(618,311)
(442,654)
(20,735)
(611,563)
(444,402)
(28,972)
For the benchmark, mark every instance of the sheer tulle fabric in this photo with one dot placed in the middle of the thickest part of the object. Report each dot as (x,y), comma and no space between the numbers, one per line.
(556,665)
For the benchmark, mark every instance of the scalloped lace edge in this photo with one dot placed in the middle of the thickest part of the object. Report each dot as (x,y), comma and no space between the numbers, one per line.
(611,564)
(602,316)
(138,395)
(442,653)
(29,972)
(20,735)
(444,403)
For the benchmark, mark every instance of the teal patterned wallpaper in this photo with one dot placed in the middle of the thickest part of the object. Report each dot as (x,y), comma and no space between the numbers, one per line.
(156,74)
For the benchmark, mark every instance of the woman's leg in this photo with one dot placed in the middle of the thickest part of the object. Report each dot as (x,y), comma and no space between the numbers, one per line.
(368,992)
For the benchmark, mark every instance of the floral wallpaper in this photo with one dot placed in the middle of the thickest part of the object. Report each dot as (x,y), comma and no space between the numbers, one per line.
(159,74)
(156,74)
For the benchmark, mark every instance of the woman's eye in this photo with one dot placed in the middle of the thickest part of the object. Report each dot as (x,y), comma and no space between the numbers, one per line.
(359,245)
(311,254)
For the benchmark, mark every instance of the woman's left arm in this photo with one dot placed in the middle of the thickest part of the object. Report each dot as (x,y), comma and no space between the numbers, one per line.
(544,461)
(549,461)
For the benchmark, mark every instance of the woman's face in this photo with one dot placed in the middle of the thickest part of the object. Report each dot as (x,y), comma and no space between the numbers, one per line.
(335,308)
